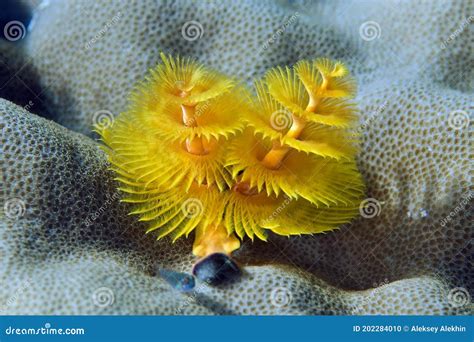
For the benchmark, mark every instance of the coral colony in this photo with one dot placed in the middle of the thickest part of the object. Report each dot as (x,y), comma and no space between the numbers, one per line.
(198,152)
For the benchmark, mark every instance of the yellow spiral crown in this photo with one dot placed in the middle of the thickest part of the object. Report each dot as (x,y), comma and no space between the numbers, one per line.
(198,152)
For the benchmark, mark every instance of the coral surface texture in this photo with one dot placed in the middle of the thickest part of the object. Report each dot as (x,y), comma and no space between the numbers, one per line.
(68,244)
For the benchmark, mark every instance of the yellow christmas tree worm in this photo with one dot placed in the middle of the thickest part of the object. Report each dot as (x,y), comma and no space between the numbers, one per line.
(195,152)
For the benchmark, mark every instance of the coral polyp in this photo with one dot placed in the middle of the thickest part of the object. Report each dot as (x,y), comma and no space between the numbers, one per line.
(197,152)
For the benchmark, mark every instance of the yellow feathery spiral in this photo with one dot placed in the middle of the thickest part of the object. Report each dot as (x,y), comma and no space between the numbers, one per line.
(195,151)
(300,153)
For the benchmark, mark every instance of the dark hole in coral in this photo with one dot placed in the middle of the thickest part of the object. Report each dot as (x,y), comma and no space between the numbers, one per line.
(14,20)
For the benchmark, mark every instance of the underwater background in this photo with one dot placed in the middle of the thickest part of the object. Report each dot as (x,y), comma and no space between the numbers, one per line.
(68,245)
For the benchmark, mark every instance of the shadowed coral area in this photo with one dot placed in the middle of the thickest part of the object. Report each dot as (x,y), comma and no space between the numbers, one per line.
(74,241)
